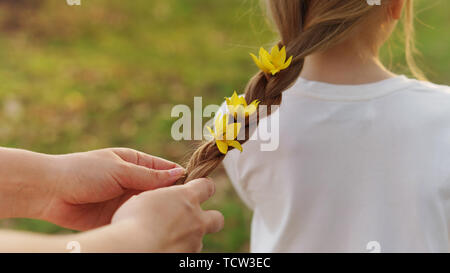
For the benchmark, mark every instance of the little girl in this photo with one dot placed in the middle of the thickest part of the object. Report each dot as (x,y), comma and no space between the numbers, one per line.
(364,154)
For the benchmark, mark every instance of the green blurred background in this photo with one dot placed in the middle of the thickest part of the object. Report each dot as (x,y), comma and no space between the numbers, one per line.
(108,72)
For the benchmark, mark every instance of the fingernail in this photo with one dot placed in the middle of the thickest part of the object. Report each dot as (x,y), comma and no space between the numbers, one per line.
(176,172)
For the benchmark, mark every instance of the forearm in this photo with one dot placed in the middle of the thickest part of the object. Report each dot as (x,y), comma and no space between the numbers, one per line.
(24,242)
(27,242)
(25,179)
(107,239)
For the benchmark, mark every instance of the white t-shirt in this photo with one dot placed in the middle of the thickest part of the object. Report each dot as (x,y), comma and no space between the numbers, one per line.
(357,166)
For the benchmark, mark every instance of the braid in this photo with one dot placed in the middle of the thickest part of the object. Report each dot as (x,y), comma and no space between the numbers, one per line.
(300,41)
(204,160)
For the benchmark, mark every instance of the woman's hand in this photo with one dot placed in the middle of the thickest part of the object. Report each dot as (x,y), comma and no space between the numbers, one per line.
(91,186)
(169,219)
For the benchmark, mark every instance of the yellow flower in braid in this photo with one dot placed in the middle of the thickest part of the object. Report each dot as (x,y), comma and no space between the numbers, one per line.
(273,62)
(225,134)
(238,107)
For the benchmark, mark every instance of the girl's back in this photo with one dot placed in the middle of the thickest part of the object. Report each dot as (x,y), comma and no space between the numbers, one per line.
(355,164)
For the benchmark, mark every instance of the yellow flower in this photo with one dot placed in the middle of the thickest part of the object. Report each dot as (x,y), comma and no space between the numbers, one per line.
(225,134)
(237,106)
(273,62)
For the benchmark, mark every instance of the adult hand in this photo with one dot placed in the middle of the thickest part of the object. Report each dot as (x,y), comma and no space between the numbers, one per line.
(168,220)
(78,191)
(92,185)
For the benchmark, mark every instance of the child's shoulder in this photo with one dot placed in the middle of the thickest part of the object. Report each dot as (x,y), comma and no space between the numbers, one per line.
(428,102)
(429,88)
(423,94)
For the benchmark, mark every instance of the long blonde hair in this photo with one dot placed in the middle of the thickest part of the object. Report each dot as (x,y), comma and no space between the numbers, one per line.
(305,27)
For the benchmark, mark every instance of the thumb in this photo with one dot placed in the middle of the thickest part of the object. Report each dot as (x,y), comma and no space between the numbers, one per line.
(143,178)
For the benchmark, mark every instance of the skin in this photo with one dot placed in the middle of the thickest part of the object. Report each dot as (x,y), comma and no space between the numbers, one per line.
(356,60)
(89,191)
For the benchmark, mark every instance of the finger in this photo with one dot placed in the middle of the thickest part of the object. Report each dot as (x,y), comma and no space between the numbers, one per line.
(154,162)
(143,159)
(143,178)
(202,188)
(214,221)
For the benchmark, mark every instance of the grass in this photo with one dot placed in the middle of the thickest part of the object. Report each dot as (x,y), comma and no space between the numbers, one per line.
(107,73)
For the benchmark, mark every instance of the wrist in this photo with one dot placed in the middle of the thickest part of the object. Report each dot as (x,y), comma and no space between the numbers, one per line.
(119,237)
(27,184)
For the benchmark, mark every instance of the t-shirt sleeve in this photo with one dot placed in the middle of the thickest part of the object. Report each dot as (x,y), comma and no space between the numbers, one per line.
(230,164)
